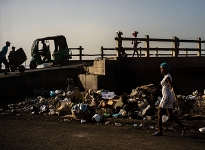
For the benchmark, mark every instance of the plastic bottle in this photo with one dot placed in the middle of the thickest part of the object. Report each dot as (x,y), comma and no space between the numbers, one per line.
(202,130)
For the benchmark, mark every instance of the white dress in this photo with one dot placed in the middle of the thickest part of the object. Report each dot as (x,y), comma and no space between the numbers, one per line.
(167,95)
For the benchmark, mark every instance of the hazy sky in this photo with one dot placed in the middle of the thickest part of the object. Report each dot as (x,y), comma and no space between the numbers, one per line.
(93,23)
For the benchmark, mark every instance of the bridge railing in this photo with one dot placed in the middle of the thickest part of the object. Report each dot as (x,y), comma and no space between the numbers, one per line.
(147,49)
(101,55)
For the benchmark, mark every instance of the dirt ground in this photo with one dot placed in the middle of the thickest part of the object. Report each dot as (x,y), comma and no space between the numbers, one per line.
(54,132)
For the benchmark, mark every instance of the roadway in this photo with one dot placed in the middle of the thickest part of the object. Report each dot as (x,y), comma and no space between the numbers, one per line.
(72,64)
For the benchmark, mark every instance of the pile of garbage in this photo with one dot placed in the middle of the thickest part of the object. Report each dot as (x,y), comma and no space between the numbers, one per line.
(96,105)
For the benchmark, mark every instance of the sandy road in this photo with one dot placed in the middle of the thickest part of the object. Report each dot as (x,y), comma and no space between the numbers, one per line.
(24,134)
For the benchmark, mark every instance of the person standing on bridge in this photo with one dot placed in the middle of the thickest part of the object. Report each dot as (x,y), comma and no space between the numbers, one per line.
(167,101)
(3,57)
(135,43)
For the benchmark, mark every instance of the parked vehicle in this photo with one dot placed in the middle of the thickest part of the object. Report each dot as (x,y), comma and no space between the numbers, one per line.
(57,51)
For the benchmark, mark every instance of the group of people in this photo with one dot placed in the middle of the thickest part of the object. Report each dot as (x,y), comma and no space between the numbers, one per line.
(3,54)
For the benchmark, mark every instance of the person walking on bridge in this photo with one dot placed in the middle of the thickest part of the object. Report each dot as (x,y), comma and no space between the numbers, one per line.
(3,57)
(167,101)
(135,43)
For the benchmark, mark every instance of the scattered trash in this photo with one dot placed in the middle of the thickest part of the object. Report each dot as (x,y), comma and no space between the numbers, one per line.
(44,65)
(102,104)
(107,123)
(118,124)
(97,118)
(66,120)
(52,93)
(83,121)
(165,118)
(135,125)
(202,130)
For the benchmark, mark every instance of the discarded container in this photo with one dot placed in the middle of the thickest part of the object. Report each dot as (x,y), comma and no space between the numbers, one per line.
(135,125)
(151,127)
(118,124)
(165,118)
(107,122)
(33,101)
(122,112)
(83,121)
(44,65)
(58,91)
(108,95)
(202,130)
(106,115)
(43,108)
(52,93)
(97,118)
(66,120)
(117,115)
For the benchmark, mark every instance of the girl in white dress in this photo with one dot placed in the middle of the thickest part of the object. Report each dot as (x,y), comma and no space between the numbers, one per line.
(168,99)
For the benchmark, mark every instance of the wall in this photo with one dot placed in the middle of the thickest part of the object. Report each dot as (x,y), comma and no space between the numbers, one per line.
(124,74)
(16,86)
(118,75)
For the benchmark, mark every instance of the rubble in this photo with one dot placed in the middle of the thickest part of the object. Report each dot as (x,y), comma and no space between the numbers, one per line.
(91,105)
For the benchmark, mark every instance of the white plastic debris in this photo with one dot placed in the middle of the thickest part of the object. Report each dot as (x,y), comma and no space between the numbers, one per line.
(202,130)
(165,118)
(97,117)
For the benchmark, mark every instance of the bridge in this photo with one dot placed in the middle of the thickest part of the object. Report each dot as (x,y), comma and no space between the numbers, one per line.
(116,73)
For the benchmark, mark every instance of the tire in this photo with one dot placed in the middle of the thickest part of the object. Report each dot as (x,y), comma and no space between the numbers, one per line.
(64,61)
(13,68)
(33,65)
(21,69)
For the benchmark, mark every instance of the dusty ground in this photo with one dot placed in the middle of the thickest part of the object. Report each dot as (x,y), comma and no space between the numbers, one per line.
(53,132)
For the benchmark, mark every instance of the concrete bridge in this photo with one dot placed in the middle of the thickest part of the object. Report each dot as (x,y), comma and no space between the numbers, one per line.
(116,74)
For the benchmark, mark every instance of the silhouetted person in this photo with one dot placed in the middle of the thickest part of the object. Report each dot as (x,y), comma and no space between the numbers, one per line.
(3,57)
(13,68)
(12,50)
(167,100)
(44,50)
(135,43)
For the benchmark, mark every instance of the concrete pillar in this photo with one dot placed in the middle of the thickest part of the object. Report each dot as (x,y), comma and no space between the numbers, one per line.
(175,47)
(80,52)
(119,43)
(102,52)
(199,47)
(147,45)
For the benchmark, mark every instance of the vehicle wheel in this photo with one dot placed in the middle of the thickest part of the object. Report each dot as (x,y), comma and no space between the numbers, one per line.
(64,61)
(33,65)
(13,68)
(21,69)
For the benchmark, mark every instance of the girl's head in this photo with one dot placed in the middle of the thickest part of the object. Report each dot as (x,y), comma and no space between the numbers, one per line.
(134,33)
(165,68)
